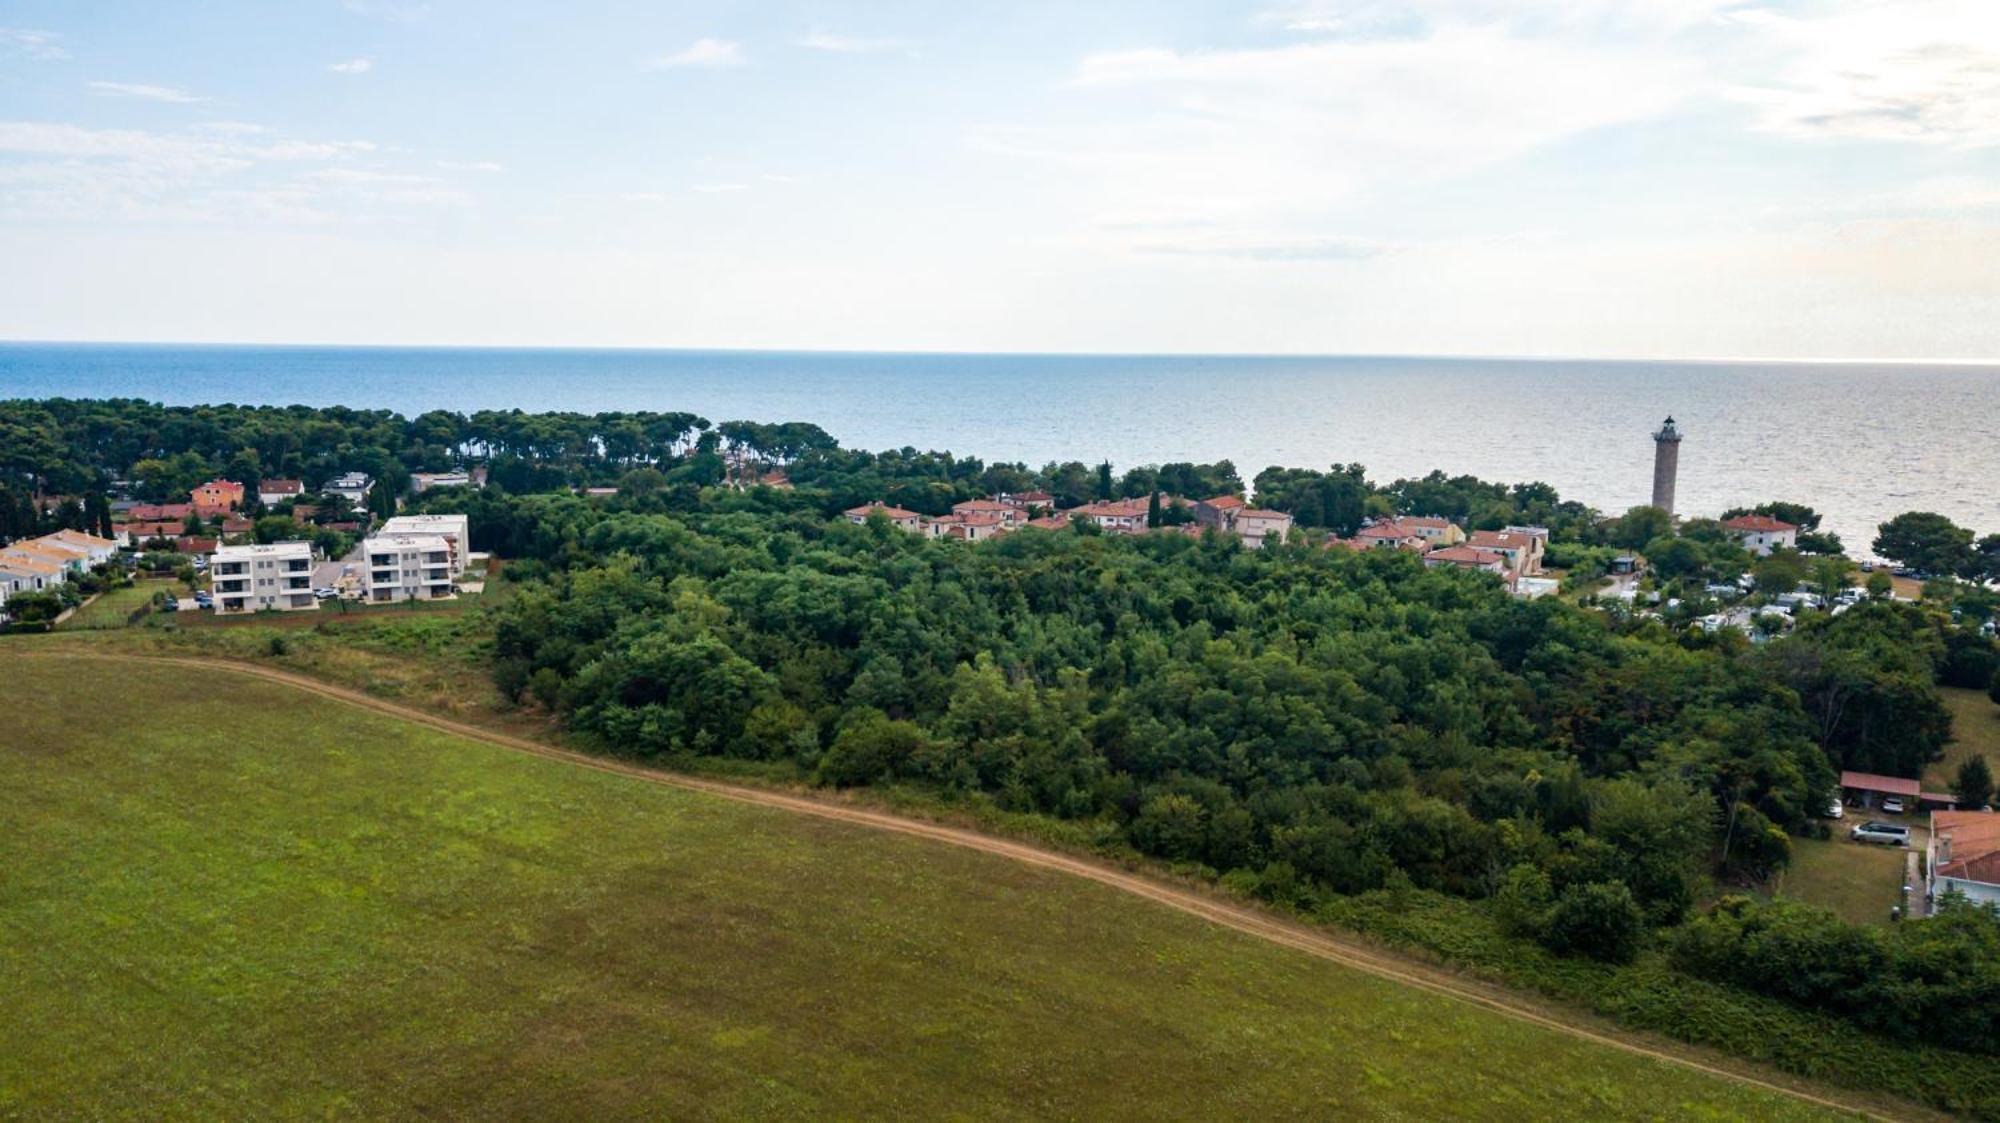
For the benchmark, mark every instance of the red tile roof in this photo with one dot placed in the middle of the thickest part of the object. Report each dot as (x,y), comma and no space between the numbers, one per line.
(1499,540)
(891,512)
(281,487)
(1257,513)
(1466,556)
(1387,528)
(1974,838)
(1758,524)
(1890,785)
(153,530)
(155,512)
(1224,502)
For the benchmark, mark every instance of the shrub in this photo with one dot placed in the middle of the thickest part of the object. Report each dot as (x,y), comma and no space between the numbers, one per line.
(1599,919)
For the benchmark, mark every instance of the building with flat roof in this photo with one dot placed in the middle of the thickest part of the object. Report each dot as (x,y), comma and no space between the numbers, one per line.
(397,567)
(455,529)
(274,577)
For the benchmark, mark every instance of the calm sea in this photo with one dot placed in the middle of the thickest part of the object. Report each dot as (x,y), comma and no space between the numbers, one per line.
(1859,442)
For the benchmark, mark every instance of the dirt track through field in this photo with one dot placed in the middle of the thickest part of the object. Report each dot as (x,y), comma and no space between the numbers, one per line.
(1248,920)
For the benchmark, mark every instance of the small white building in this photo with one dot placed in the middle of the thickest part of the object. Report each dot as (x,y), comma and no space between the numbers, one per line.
(273,577)
(421,482)
(898,517)
(270,492)
(1252,524)
(1761,534)
(398,567)
(1115,516)
(351,486)
(455,529)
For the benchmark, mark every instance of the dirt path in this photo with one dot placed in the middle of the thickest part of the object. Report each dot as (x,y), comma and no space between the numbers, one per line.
(1313,941)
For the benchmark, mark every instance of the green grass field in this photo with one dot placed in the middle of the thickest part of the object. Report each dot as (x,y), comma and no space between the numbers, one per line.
(1861,883)
(222,897)
(1975,729)
(111,609)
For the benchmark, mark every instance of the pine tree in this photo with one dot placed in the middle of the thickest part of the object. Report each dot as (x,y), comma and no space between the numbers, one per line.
(1153,511)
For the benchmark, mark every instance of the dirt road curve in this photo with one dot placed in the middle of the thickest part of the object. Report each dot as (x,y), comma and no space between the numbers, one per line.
(1315,942)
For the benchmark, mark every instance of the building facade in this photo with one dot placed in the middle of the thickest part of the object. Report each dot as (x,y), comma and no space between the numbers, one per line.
(397,567)
(1761,534)
(456,530)
(276,577)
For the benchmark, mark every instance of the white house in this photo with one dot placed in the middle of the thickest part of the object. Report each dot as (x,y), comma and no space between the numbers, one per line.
(455,529)
(279,491)
(351,486)
(897,516)
(1760,534)
(1116,516)
(1252,524)
(406,567)
(272,577)
(1965,855)
(421,482)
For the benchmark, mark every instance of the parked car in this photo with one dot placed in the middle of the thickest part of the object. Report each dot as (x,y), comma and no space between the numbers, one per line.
(326,592)
(1887,834)
(1835,810)
(1893,805)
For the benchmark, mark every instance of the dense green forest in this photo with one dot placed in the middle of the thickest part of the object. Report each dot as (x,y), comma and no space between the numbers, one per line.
(1308,723)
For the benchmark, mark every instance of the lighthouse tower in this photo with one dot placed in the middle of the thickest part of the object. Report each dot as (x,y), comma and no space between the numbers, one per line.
(1666,464)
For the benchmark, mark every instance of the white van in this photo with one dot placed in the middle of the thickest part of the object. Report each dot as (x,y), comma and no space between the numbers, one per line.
(1887,834)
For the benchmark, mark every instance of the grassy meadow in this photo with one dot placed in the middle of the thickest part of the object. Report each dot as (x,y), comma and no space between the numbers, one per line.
(222,897)
(1975,730)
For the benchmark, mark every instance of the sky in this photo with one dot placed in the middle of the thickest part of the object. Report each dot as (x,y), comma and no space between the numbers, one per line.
(1645,178)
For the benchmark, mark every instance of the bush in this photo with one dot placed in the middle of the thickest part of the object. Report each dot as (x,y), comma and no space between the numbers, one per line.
(1599,919)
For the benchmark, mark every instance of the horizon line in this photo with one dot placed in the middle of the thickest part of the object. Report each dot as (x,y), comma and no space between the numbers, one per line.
(1787,360)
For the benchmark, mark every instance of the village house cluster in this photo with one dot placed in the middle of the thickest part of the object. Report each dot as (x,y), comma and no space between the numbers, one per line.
(976,520)
(1514,553)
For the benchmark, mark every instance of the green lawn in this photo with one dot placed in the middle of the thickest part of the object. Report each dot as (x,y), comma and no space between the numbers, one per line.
(1861,883)
(110,610)
(1975,729)
(220,897)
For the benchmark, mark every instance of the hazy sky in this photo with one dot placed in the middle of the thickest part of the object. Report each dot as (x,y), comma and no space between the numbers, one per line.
(1563,177)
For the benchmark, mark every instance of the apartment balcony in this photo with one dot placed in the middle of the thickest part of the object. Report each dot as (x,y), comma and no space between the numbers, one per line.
(383,577)
(225,588)
(232,569)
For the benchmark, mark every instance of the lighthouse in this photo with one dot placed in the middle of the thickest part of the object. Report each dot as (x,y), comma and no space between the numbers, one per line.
(1666,464)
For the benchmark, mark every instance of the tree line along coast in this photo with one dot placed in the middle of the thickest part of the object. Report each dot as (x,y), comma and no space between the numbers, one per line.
(1606,776)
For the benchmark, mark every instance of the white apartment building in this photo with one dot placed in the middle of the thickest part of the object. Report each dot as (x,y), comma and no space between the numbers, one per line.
(406,567)
(248,579)
(454,529)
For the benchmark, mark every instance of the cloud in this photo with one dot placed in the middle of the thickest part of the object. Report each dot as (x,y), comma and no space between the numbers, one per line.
(352,66)
(41,45)
(471,166)
(720,188)
(229,174)
(1282,135)
(850,44)
(1925,71)
(171,94)
(1326,248)
(712,54)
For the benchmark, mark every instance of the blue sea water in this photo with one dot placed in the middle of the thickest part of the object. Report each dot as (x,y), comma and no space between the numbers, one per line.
(1860,442)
